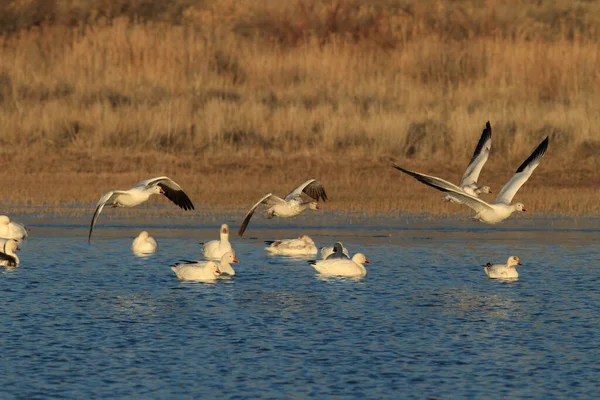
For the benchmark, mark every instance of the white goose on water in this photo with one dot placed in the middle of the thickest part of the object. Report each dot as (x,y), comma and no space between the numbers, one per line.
(194,271)
(225,263)
(336,251)
(144,244)
(139,193)
(342,266)
(302,246)
(215,249)
(8,257)
(501,208)
(12,230)
(468,182)
(503,271)
(292,205)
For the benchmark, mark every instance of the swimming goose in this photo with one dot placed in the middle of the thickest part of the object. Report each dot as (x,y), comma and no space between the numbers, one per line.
(301,246)
(194,271)
(337,251)
(12,230)
(292,205)
(342,266)
(216,248)
(144,244)
(8,257)
(503,271)
(225,263)
(468,182)
(140,193)
(501,208)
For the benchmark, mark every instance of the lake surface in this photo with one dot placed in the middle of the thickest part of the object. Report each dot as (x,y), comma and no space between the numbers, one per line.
(95,321)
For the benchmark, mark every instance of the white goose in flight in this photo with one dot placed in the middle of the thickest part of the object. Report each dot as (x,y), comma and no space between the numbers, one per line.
(292,205)
(468,182)
(501,208)
(140,193)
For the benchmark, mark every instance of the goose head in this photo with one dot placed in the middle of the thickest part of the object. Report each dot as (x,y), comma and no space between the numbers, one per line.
(10,247)
(484,189)
(360,258)
(229,258)
(513,261)
(520,207)
(214,268)
(4,220)
(313,205)
(143,235)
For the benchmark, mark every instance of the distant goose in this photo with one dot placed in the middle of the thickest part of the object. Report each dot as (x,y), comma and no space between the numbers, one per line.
(292,205)
(12,230)
(215,249)
(140,193)
(337,251)
(194,271)
(301,246)
(501,208)
(8,257)
(144,244)
(503,271)
(342,266)
(468,182)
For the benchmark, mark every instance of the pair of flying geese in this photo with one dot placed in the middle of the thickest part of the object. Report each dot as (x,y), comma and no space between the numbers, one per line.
(308,194)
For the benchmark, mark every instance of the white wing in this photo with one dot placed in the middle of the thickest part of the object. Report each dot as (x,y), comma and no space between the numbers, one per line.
(108,197)
(523,173)
(269,200)
(473,202)
(480,156)
(171,190)
(312,188)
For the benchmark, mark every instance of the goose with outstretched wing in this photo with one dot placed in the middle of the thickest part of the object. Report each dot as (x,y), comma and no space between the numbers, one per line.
(293,204)
(140,193)
(501,208)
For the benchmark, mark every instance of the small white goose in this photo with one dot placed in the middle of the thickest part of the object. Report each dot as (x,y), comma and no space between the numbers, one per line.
(302,246)
(12,230)
(503,271)
(144,244)
(215,249)
(468,182)
(336,251)
(8,257)
(193,271)
(140,193)
(292,205)
(501,208)
(342,266)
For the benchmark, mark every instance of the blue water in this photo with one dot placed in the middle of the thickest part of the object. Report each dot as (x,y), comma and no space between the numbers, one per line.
(81,321)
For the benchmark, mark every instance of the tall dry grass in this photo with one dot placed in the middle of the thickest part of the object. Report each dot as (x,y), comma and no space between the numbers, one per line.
(236,97)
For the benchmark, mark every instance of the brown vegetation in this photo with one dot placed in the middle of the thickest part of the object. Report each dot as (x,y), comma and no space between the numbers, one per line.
(234,98)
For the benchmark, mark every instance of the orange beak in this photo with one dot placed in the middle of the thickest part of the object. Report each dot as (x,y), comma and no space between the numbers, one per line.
(317,207)
(219,271)
(235,260)
(524,209)
(162,191)
(18,248)
(367,262)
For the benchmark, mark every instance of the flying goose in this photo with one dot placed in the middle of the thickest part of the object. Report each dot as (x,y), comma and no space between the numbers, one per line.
(140,193)
(503,271)
(302,246)
(194,271)
(501,208)
(292,205)
(342,266)
(8,257)
(215,249)
(468,182)
(144,244)
(12,230)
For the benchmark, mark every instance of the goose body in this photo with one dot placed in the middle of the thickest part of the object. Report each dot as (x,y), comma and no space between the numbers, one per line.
(501,208)
(293,204)
(215,249)
(8,257)
(302,246)
(342,266)
(503,271)
(140,193)
(12,230)
(197,271)
(336,251)
(144,244)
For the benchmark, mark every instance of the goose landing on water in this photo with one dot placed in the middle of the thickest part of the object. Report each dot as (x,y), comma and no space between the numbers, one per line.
(140,193)
(292,205)
(501,208)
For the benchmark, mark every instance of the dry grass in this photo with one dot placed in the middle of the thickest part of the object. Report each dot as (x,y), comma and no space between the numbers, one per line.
(234,99)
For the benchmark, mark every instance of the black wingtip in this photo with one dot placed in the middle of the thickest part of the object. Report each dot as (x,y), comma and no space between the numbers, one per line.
(487,125)
(537,154)
(270,242)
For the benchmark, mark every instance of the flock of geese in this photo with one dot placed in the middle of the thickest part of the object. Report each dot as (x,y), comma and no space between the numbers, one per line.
(334,260)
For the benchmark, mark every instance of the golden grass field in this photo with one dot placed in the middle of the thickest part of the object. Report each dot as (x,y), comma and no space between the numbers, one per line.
(235,99)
